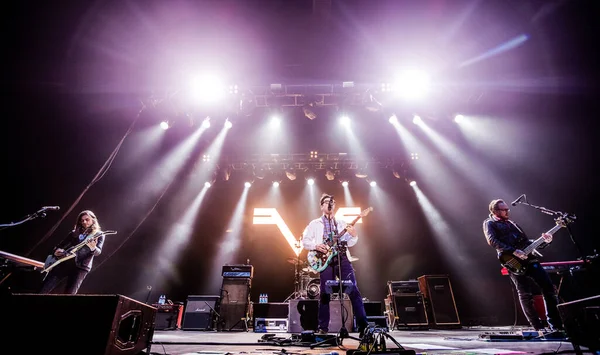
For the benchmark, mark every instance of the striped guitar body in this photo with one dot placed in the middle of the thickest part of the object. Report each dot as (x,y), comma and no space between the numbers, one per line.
(519,266)
(319,261)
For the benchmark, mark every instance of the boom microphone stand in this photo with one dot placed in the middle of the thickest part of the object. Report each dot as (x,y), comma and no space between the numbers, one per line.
(567,217)
(40,213)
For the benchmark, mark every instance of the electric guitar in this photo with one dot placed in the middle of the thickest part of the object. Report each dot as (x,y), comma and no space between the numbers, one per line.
(517,265)
(319,261)
(52,260)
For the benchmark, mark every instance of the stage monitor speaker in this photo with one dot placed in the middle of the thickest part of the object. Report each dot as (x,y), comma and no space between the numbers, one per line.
(168,316)
(200,312)
(81,324)
(235,304)
(304,315)
(581,319)
(440,302)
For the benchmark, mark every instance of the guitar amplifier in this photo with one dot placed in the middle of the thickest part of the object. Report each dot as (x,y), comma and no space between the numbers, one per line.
(402,287)
(168,316)
(238,271)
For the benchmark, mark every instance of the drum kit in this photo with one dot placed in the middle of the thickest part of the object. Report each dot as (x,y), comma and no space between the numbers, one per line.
(307,283)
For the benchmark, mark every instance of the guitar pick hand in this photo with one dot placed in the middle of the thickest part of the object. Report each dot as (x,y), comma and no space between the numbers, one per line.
(322,248)
(520,254)
(92,244)
(547,237)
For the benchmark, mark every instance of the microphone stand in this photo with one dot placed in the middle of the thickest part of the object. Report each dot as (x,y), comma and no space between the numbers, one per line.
(40,213)
(567,217)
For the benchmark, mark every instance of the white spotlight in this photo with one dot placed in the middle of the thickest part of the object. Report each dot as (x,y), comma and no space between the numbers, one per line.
(275,183)
(459,118)
(417,120)
(373,183)
(207,184)
(393,120)
(247,184)
(344,183)
(275,121)
(206,123)
(310,181)
(228,124)
(413,183)
(164,125)
(413,84)
(345,120)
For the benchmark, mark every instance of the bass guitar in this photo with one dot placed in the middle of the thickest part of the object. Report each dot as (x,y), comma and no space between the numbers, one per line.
(517,265)
(319,261)
(52,260)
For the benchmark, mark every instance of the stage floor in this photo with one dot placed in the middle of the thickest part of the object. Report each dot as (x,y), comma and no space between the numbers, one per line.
(460,341)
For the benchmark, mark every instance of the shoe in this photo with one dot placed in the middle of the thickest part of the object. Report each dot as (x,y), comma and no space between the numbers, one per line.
(321,332)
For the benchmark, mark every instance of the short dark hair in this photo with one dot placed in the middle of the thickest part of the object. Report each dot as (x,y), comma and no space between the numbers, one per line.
(494,204)
(324,196)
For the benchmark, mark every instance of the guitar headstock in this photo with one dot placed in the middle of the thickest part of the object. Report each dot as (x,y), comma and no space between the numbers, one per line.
(366,211)
(564,218)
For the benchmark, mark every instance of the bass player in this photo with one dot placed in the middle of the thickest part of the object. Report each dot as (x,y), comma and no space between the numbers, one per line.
(508,238)
(313,238)
(74,272)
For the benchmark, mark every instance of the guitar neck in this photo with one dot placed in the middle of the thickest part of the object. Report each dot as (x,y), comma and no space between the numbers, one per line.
(536,243)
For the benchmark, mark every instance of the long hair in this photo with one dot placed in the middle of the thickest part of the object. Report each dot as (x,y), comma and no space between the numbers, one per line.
(94,228)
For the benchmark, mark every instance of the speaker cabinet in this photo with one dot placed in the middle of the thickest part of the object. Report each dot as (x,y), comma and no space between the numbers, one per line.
(439,301)
(90,324)
(235,304)
(581,319)
(200,312)
(304,315)
(235,291)
(407,311)
(168,317)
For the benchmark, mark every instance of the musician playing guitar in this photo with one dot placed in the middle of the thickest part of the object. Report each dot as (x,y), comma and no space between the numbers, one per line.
(75,270)
(510,240)
(314,238)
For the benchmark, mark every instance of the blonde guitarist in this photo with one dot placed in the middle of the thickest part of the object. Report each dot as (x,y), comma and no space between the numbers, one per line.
(318,237)
(72,258)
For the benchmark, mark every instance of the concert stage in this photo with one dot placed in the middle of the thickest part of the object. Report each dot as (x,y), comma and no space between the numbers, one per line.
(457,341)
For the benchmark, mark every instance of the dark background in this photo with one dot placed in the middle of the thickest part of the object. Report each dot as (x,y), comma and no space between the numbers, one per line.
(75,75)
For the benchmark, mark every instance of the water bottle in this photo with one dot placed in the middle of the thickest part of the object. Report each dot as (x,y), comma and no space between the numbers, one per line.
(161,299)
(266,298)
(262,298)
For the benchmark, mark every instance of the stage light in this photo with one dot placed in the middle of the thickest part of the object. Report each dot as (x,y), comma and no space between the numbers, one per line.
(247,184)
(361,174)
(290,174)
(310,181)
(417,120)
(164,125)
(275,183)
(459,118)
(330,175)
(228,124)
(207,184)
(206,123)
(414,156)
(373,183)
(313,154)
(344,183)
(413,183)
(308,112)
(393,119)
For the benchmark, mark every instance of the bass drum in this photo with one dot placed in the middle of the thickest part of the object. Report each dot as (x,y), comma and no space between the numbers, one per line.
(313,289)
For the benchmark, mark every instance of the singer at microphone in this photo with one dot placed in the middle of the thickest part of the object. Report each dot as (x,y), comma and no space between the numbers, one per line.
(330,204)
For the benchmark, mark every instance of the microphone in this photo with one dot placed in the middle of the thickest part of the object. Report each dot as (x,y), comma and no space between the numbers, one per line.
(518,200)
(52,208)
(330,203)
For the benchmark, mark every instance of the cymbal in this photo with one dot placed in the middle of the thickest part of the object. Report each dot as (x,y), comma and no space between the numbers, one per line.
(294,261)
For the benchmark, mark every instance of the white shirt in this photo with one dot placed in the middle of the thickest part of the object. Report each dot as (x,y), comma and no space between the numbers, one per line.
(313,234)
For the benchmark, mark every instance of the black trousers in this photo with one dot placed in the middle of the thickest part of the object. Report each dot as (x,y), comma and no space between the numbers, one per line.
(67,270)
(526,284)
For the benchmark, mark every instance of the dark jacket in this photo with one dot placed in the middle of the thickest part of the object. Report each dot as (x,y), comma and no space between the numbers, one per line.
(84,257)
(505,236)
